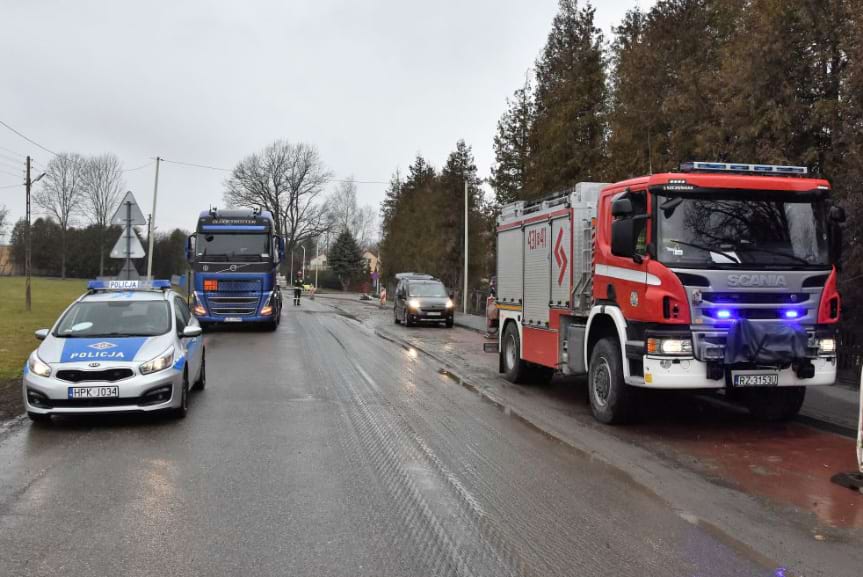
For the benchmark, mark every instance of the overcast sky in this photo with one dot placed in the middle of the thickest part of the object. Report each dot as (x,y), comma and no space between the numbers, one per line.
(371,83)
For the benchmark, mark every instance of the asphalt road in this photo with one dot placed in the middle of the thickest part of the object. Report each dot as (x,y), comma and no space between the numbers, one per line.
(322,450)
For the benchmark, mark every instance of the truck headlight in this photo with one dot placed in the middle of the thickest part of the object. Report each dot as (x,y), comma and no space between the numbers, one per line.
(160,363)
(659,346)
(198,309)
(37,367)
(267,309)
(827,347)
(413,304)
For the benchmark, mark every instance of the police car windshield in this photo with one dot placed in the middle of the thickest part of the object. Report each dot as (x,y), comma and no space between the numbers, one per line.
(426,289)
(742,231)
(234,246)
(119,318)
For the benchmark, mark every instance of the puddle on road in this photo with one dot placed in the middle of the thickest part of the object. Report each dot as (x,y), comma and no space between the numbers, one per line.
(790,463)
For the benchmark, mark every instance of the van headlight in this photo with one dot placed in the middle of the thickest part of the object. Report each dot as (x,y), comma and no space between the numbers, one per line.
(37,366)
(449,303)
(413,304)
(680,347)
(160,363)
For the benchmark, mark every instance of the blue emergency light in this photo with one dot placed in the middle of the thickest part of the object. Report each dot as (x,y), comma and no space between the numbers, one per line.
(126,285)
(768,169)
(723,314)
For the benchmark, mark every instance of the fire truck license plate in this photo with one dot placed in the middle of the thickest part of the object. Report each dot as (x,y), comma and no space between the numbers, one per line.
(93,392)
(755,379)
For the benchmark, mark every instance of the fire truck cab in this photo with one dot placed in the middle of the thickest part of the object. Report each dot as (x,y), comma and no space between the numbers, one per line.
(720,276)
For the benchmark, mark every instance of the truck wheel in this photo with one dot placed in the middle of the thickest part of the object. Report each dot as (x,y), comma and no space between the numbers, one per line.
(774,405)
(515,370)
(610,396)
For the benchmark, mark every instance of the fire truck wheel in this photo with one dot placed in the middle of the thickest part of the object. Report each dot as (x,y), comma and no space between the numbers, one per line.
(515,370)
(779,404)
(610,396)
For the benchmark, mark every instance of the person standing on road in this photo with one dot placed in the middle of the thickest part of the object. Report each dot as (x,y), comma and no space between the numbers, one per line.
(298,288)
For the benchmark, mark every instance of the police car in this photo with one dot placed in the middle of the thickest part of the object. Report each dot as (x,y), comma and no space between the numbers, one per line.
(124,346)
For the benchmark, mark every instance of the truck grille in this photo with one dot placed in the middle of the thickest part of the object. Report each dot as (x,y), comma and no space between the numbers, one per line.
(234,298)
(107,375)
(729,298)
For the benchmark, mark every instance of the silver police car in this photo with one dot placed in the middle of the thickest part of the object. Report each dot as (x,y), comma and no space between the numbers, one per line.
(124,346)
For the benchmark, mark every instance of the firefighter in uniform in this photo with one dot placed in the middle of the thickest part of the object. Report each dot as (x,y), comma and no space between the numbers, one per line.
(298,288)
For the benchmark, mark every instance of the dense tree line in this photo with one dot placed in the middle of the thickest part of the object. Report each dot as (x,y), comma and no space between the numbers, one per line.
(423,221)
(83,249)
(766,81)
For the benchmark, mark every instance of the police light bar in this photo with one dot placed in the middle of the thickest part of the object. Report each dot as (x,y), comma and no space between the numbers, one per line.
(772,169)
(128,285)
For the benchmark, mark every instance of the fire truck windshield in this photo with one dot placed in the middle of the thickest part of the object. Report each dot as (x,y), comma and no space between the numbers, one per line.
(742,231)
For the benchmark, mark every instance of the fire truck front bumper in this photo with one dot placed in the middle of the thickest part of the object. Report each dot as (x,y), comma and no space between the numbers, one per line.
(690,373)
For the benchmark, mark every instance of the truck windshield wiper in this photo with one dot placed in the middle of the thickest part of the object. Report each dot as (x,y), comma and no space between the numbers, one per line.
(729,256)
(776,252)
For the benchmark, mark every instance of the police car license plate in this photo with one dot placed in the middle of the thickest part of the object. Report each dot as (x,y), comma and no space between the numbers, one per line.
(233,320)
(93,392)
(754,379)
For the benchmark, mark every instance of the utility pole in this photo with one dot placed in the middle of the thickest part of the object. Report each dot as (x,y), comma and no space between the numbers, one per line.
(153,223)
(27,244)
(317,259)
(464,296)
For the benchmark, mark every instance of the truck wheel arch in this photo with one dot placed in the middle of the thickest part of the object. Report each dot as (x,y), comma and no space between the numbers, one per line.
(606,321)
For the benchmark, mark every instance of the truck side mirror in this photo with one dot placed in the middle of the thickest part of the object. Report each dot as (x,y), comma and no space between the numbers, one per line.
(281,247)
(621,208)
(835,241)
(623,237)
(190,247)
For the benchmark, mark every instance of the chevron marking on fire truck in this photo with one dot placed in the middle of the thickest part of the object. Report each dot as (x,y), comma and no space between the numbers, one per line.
(560,257)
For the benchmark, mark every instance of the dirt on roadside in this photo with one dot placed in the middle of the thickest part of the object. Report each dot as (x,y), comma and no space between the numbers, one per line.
(11,403)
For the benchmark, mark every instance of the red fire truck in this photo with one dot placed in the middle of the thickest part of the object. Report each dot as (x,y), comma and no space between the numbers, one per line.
(720,276)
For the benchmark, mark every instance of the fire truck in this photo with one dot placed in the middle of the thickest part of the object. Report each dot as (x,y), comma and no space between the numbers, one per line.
(721,276)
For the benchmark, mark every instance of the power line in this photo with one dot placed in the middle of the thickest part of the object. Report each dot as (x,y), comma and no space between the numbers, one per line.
(31,141)
(197,165)
(11,186)
(139,167)
(11,158)
(192,164)
(11,165)
(12,151)
(11,173)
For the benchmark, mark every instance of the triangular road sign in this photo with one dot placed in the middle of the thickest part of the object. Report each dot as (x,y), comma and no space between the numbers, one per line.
(135,248)
(121,214)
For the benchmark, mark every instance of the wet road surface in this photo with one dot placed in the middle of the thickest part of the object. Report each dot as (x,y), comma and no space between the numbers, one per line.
(324,450)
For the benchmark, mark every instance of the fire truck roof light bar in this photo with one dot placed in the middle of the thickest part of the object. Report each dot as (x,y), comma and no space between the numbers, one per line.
(768,169)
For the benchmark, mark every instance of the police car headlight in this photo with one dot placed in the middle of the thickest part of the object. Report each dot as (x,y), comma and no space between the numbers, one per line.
(38,367)
(414,304)
(160,363)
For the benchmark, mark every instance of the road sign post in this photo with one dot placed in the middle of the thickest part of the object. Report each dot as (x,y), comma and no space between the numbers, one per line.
(128,246)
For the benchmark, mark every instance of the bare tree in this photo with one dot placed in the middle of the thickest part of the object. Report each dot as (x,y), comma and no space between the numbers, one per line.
(286,179)
(102,184)
(343,213)
(61,193)
(4,219)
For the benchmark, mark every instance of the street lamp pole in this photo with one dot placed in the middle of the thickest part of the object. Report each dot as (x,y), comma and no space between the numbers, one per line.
(464,296)
(152,226)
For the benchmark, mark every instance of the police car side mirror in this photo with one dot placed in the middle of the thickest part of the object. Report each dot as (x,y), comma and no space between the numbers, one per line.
(192,332)
(42,334)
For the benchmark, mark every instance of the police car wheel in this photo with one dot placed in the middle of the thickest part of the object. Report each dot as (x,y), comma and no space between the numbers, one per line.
(181,411)
(201,383)
(39,417)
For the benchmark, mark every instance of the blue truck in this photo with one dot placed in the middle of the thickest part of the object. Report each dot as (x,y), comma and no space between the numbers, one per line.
(234,255)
